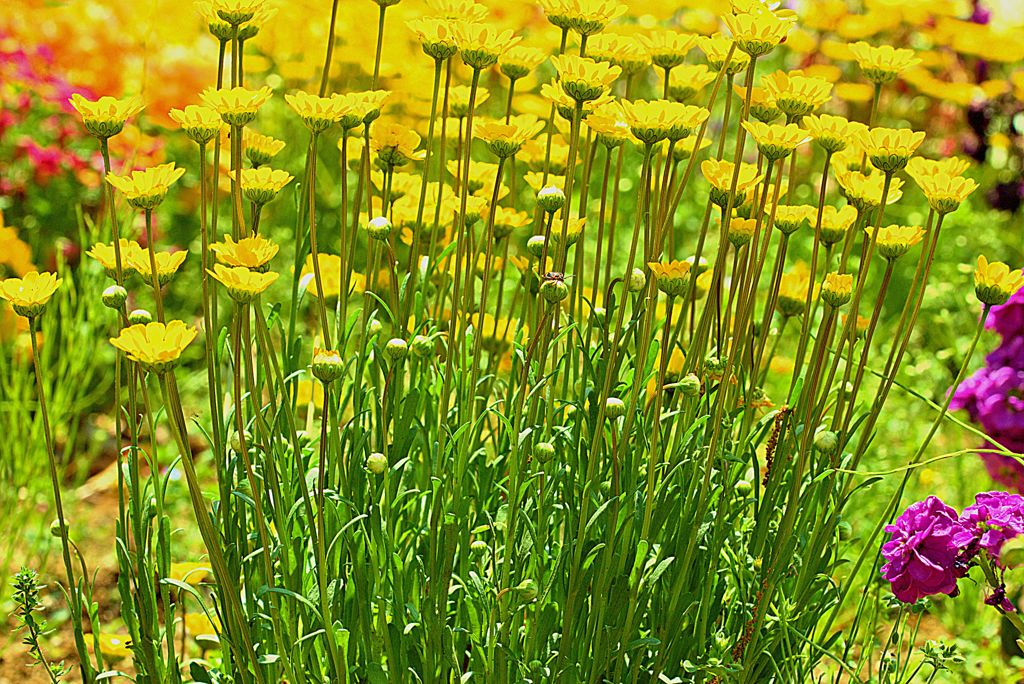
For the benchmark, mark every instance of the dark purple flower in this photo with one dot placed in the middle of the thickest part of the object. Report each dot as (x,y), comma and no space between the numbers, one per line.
(999,404)
(993,519)
(921,554)
(999,599)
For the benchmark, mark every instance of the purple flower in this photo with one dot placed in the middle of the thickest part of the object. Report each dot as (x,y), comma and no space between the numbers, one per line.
(999,404)
(988,523)
(1008,319)
(921,553)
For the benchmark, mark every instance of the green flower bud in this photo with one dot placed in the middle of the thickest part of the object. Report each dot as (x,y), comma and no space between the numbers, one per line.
(551,199)
(637,281)
(554,288)
(396,350)
(826,441)
(614,407)
(544,451)
(379,228)
(114,297)
(535,246)
(422,346)
(140,316)
(377,463)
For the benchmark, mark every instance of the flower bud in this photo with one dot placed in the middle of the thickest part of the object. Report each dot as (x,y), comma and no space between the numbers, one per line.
(743,488)
(535,246)
(377,463)
(554,288)
(327,365)
(396,350)
(527,590)
(544,451)
(826,441)
(140,316)
(689,385)
(614,407)
(845,530)
(422,346)
(114,297)
(479,546)
(551,199)
(379,228)
(374,328)
(637,281)
(56,530)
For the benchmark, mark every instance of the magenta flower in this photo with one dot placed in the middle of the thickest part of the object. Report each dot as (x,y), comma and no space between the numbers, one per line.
(921,553)
(988,523)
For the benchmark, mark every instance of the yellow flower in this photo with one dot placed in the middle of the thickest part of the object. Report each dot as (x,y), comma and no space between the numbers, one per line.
(253,252)
(994,282)
(890,149)
(435,36)
(775,141)
(792,295)
(458,100)
(883,63)
(667,49)
(480,45)
(361,108)
(919,167)
(865,192)
(505,140)
(236,106)
(687,80)
(262,185)
(260,149)
(672,276)
(716,50)
(836,223)
(519,61)
(167,264)
(569,233)
(146,189)
(236,12)
(115,646)
(719,174)
(536,181)
(105,254)
(201,124)
(894,241)
(243,285)
(832,133)
(155,346)
(395,144)
(837,289)
(201,627)
(762,104)
(190,573)
(566,106)
(458,9)
(945,192)
(609,124)
(655,120)
(796,94)
(789,219)
(741,230)
(318,113)
(557,12)
(624,52)
(330,276)
(584,79)
(106,116)
(758,33)
(507,220)
(587,17)
(30,293)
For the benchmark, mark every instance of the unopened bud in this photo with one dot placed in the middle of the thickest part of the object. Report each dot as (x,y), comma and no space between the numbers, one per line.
(614,407)
(554,288)
(114,297)
(377,463)
(637,280)
(379,228)
(422,346)
(140,316)
(535,246)
(689,385)
(550,198)
(544,451)
(327,365)
(826,441)
(396,350)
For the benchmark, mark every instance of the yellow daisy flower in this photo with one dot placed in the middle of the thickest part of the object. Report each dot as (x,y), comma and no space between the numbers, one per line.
(146,189)
(201,124)
(253,252)
(29,294)
(994,282)
(157,347)
(243,284)
(106,116)
(236,106)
